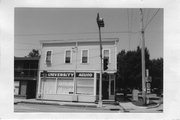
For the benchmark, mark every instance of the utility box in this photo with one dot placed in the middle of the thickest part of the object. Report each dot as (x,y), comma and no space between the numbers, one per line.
(135,94)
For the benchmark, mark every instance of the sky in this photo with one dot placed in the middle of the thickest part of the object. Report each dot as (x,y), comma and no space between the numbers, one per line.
(35,24)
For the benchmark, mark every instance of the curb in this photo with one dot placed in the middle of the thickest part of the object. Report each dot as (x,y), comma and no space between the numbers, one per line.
(155,106)
(61,104)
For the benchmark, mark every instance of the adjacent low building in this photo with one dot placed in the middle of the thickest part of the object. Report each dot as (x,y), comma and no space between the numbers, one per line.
(25,77)
(69,70)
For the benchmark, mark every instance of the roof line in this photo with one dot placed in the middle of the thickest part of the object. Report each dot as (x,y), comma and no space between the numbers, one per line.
(79,40)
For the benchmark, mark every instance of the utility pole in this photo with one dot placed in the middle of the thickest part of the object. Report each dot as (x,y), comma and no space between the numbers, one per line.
(143,59)
(75,50)
(100,23)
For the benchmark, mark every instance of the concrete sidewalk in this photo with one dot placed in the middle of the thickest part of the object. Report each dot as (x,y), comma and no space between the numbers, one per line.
(70,104)
(48,102)
(121,107)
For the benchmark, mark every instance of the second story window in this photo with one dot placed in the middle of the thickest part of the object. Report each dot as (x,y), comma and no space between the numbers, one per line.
(68,56)
(48,57)
(84,56)
(106,54)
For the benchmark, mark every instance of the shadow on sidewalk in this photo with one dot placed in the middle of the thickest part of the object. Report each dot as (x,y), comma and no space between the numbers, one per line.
(152,102)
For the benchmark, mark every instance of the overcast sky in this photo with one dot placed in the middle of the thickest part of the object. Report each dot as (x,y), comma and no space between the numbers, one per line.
(34,24)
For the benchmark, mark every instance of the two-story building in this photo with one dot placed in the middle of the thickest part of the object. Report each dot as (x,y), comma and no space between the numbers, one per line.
(72,69)
(25,76)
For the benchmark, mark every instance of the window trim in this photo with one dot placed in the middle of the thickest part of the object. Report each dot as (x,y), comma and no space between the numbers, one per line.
(82,56)
(46,56)
(109,54)
(70,56)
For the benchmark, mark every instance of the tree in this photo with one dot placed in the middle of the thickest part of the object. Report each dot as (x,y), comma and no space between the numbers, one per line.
(129,69)
(34,53)
(156,71)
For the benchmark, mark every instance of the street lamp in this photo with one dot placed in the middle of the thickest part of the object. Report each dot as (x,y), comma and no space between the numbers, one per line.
(100,23)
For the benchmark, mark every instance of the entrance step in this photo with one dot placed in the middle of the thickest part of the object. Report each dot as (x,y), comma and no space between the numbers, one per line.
(109,102)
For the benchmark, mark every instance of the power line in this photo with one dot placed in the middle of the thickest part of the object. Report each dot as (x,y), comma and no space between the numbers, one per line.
(62,52)
(128,27)
(117,32)
(151,18)
(131,25)
(147,16)
(27,43)
(26,49)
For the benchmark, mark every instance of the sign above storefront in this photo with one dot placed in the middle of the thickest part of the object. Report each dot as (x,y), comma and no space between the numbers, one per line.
(59,74)
(69,74)
(85,74)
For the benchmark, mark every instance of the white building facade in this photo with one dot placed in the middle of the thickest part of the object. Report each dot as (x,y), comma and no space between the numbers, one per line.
(73,67)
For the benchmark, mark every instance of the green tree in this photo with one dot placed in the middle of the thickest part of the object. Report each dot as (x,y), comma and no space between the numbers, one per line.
(129,68)
(34,53)
(156,72)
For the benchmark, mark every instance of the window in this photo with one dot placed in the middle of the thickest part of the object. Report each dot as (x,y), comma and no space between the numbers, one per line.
(49,86)
(85,86)
(16,87)
(84,56)
(106,55)
(48,56)
(65,86)
(68,56)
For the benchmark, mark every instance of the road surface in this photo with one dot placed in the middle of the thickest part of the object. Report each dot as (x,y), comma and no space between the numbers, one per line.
(24,107)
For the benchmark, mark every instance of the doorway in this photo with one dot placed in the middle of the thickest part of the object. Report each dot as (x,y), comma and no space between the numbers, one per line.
(105,89)
(31,89)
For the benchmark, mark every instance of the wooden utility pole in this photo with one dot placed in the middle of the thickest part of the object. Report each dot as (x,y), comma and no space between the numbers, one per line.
(143,59)
(100,23)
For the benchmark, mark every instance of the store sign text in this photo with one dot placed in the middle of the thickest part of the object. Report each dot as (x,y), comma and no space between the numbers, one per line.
(69,74)
(59,74)
(85,74)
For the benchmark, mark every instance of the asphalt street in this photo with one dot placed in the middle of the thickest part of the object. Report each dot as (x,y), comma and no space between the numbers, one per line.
(24,107)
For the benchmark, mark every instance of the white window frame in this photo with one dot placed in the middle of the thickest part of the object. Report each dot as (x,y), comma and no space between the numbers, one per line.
(82,56)
(46,55)
(70,56)
(109,54)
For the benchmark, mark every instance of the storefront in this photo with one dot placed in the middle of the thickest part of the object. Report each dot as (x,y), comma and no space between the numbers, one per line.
(25,88)
(25,77)
(74,86)
(72,70)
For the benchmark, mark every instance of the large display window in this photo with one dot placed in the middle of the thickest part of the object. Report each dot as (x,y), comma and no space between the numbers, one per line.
(85,86)
(49,86)
(65,86)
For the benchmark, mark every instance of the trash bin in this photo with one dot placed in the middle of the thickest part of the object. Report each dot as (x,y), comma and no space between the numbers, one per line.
(135,94)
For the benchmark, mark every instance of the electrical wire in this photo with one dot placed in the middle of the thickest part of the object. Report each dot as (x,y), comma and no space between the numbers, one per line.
(116,32)
(147,16)
(25,43)
(128,28)
(151,18)
(131,26)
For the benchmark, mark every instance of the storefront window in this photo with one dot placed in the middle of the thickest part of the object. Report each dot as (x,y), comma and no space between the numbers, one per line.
(49,86)
(85,86)
(64,86)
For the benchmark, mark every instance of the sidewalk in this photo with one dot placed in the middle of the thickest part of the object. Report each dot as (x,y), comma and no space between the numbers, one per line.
(121,107)
(48,102)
